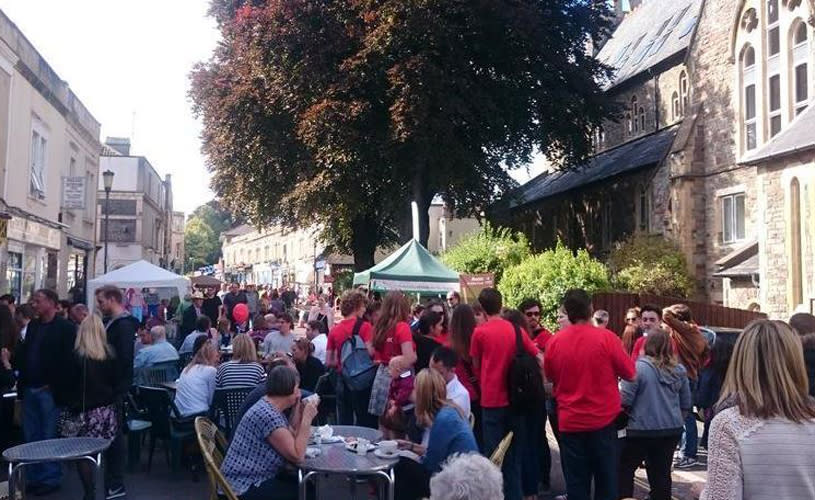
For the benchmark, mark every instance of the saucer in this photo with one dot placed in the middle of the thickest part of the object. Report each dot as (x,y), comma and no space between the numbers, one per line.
(352,447)
(382,454)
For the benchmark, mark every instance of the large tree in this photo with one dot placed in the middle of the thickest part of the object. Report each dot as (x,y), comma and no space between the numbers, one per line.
(341,112)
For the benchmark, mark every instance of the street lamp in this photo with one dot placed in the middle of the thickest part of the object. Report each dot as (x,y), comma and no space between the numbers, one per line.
(107,178)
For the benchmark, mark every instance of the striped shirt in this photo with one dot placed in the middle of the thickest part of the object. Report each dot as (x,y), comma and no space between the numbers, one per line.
(236,374)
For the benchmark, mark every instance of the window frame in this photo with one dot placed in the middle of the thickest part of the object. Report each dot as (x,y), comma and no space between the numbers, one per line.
(39,130)
(799,58)
(733,199)
(748,81)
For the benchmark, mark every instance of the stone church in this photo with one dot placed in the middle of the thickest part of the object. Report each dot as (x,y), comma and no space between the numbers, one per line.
(715,149)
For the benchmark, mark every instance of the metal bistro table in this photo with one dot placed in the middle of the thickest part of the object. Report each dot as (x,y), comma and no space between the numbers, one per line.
(335,459)
(56,450)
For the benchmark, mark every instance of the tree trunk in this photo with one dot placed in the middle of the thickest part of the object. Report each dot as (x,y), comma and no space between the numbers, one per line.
(364,237)
(423,197)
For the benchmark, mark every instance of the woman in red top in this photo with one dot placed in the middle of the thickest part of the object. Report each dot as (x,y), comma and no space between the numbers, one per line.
(393,348)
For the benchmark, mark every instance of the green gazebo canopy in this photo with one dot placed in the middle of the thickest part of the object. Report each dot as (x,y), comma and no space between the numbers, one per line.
(410,269)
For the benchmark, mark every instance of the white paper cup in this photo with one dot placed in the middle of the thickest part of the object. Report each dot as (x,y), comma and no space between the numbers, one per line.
(362,446)
(388,447)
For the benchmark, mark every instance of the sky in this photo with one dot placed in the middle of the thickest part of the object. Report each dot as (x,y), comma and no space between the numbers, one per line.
(128,61)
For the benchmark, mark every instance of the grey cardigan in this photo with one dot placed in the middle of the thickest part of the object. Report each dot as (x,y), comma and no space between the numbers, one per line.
(656,400)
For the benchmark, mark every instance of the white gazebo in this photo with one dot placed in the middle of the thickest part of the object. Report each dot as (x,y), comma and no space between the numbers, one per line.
(141,274)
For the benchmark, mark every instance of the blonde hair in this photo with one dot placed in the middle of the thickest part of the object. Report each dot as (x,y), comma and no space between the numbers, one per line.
(767,376)
(202,357)
(431,396)
(91,339)
(243,349)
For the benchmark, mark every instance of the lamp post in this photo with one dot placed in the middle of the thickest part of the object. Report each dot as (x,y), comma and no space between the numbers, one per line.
(107,178)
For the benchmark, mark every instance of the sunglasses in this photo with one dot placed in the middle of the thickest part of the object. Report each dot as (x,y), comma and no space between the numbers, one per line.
(531,314)
(630,320)
(599,320)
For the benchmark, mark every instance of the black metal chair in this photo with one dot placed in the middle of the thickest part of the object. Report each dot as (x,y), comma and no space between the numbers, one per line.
(138,426)
(226,403)
(156,374)
(326,389)
(167,424)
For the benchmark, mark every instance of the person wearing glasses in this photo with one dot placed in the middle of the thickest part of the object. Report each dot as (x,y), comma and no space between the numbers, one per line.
(453,299)
(531,309)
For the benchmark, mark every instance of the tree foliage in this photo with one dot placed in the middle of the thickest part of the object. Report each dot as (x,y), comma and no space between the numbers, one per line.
(492,250)
(650,264)
(548,275)
(200,243)
(340,113)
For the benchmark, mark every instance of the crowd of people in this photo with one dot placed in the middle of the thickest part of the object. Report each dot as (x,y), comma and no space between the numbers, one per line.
(449,381)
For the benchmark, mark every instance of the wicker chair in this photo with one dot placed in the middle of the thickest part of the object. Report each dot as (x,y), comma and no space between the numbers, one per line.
(213,446)
(500,452)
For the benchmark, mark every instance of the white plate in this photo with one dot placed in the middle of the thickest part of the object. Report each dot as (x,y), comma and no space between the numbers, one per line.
(352,447)
(381,454)
(328,440)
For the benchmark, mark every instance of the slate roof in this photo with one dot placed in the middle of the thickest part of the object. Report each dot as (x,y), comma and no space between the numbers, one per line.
(651,33)
(797,136)
(744,269)
(640,153)
(740,263)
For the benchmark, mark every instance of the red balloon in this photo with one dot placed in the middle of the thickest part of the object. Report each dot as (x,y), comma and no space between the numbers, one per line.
(240,313)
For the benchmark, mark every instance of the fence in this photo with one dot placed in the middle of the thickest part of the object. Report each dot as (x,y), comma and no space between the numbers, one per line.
(703,314)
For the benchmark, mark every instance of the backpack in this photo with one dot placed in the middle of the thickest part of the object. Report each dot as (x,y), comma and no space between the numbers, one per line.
(525,381)
(358,369)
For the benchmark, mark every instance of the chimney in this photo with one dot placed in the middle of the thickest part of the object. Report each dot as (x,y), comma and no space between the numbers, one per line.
(119,144)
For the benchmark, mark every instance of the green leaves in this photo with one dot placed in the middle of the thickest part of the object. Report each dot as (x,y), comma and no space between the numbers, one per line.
(490,251)
(200,243)
(650,264)
(548,275)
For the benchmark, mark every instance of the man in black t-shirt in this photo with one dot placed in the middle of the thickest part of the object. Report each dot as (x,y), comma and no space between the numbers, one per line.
(40,360)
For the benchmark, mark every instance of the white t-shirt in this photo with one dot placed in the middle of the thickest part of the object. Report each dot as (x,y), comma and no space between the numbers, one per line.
(457,393)
(320,342)
(195,389)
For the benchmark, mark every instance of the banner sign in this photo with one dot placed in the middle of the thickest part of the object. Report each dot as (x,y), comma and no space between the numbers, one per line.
(73,193)
(472,284)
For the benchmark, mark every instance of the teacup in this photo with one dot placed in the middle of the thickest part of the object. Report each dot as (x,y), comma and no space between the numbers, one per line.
(389,447)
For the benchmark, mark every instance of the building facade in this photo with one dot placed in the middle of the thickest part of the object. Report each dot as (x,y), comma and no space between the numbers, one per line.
(276,256)
(140,210)
(722,91)
(177,254)
(49,164)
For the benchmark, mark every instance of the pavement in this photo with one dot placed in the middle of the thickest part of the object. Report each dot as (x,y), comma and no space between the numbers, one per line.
(161,484)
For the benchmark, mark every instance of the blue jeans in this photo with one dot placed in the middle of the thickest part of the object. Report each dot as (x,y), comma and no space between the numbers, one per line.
(590,455)
(40,416)
(497,422)
(688,446)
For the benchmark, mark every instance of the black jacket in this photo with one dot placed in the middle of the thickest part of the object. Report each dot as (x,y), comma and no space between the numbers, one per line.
(809,359)
(56,345)
(89,384)
(121,332)
(210,308)
(230,301)
(188,321)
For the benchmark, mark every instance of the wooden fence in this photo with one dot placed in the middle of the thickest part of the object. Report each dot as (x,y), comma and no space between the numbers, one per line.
(703,314)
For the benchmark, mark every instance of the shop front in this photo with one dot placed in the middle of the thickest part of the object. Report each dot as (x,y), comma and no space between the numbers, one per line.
(32,260)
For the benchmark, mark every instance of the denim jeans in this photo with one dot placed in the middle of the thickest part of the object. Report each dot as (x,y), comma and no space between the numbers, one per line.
(40,416)
(688,446)
(590,455)
(497,422)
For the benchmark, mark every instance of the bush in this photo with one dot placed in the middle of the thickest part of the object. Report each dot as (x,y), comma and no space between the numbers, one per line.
(650,264)
(492,250)
(344,280)
(547,277)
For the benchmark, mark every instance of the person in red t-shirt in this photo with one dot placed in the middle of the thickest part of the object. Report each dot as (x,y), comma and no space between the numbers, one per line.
(439,308)
(350,403)
(462,326)
(650,318)
(393,348)
(537,461)
(584,362)
(493,348)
